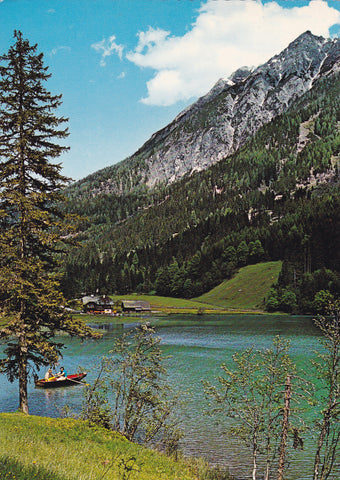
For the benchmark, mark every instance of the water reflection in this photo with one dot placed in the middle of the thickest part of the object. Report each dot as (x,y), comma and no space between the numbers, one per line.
(198,345)
(108,327)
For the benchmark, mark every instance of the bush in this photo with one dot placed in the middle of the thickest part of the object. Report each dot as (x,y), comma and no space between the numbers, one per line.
(130,394)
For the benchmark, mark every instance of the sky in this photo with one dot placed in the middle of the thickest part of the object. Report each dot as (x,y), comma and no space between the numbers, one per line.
(126,68)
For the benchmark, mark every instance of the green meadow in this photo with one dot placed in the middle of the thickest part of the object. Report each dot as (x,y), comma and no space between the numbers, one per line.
(247,290)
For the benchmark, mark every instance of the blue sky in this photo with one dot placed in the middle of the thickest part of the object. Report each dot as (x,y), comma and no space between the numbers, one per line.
(126,68)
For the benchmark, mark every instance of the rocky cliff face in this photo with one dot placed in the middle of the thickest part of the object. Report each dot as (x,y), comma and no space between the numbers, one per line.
(220,122)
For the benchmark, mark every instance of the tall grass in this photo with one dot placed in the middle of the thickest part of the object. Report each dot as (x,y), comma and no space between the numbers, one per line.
(41,448)
(14,470)
(71,450)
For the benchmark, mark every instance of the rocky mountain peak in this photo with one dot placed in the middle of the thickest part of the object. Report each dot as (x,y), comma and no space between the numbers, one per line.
(220,122)
(241,74)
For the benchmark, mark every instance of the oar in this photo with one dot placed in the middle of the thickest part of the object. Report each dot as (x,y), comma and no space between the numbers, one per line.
(76,381)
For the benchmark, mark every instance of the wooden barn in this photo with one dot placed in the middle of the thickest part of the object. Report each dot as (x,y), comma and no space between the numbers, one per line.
(135,306)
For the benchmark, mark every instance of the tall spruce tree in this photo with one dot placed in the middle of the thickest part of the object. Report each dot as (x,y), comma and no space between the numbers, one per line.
(31,224)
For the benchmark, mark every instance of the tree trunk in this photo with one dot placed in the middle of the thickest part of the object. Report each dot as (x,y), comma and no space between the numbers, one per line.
(325,425)
(254,454)
(268,461)
(23,397)
(266,476)
(332,401)
(284,433)
(254,466)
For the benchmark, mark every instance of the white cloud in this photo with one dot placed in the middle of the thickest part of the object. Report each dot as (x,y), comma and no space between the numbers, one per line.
(122,75)
(150,38)
(107,48)
(58,49)
(225,36)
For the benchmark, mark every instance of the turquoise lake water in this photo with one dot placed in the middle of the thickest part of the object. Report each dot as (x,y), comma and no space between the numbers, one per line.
(198,345)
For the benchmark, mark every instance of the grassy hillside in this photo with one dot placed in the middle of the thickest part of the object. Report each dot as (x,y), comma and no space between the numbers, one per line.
(68,449)
(247,289)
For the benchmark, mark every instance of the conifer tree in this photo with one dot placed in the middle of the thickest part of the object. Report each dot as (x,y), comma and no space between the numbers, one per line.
(31,224)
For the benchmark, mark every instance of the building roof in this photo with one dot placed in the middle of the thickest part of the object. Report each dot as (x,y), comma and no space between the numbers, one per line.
(98,300)
(136,304)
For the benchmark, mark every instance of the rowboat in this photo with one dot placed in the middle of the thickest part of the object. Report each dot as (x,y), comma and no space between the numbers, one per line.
(68,381)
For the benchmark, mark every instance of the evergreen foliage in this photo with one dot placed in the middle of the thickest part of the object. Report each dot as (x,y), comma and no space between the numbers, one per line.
(31,224)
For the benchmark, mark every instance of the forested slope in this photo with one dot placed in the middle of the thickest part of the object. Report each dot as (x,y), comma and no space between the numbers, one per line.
(277,198)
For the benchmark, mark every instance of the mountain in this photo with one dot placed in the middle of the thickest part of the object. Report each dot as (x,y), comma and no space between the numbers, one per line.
(222,121)
(275,197)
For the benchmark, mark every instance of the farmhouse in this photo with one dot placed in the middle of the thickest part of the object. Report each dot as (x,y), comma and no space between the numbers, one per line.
(135,306)
(98,304)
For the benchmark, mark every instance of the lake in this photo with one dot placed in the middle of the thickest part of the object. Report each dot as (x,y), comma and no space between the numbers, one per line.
(198,345)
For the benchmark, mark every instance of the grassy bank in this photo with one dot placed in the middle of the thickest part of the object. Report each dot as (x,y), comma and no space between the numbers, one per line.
(171,305)
(68,449)
(159,305)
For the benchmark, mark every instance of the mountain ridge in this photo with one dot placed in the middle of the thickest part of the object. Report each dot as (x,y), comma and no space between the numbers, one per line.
(220,122)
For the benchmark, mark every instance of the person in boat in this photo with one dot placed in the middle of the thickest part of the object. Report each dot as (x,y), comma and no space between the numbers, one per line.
(49,374)
(62,374)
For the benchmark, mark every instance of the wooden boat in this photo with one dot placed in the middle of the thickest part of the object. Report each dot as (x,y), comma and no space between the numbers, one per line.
(67,382)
